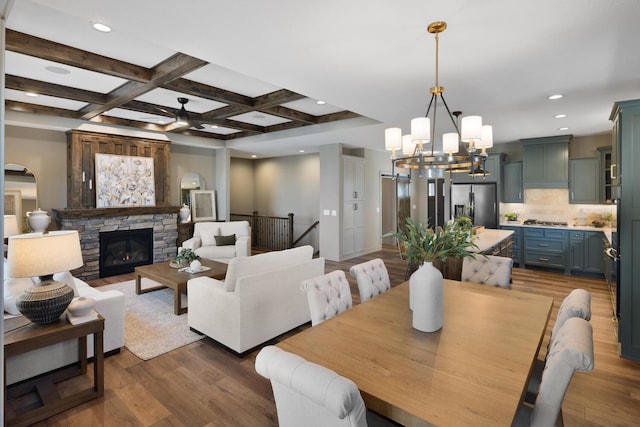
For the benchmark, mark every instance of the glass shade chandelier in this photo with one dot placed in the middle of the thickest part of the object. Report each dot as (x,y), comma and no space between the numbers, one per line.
(410,151)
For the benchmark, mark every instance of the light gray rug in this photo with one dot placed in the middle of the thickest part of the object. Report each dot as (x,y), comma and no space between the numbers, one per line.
(151,328)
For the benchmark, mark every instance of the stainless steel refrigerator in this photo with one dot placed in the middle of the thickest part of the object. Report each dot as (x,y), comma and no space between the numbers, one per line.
(478,201)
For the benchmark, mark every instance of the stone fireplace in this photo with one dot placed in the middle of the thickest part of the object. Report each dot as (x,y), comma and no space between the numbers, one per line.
(90,222)
(123,250)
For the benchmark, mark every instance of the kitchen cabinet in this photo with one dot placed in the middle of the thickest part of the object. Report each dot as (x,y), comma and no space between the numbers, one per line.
(512,182)
(607,169)
(586,252)
(545,247)
(626,158)
(516,243)
(545,162)
(584,180)
(353,207)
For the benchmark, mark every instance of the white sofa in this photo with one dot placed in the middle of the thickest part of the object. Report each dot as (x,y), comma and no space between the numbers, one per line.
(110,304)
(204,244)
(259,299)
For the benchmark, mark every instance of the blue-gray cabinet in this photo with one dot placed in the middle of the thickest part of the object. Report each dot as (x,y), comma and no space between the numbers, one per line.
(626,158)
(586,252)
(545,162)
(516,245)
(584,180)
(492,165)
(545,247)
(512,182)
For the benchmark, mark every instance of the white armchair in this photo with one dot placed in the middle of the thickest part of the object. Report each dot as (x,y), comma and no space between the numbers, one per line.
(220,241)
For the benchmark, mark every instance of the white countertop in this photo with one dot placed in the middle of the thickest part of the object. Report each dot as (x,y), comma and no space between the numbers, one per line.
(488,238)
(605,230)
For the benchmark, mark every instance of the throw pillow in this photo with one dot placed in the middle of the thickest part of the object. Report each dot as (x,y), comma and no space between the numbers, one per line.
(225,240)
(13,287)
(208,239)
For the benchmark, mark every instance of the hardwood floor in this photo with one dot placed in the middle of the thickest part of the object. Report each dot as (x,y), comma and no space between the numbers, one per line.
(202,384)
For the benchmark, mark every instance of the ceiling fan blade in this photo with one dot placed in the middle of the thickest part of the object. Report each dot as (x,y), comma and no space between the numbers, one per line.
(197,125)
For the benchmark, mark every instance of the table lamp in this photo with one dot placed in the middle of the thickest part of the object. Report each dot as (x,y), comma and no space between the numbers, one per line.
(10,226)
(42,255)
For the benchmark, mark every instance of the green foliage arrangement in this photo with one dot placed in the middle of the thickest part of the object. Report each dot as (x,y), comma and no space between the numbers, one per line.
(186,255)
(419,243)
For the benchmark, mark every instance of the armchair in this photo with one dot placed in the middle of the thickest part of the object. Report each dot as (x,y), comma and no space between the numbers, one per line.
(220,241)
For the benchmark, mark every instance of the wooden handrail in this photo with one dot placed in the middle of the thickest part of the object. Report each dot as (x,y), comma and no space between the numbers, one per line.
(307,231)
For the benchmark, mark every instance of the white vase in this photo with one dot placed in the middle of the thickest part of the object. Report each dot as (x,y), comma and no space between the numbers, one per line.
(184,213)
(38,221)
(425,298)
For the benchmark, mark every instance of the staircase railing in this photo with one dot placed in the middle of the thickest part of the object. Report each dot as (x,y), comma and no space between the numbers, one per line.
(268,232)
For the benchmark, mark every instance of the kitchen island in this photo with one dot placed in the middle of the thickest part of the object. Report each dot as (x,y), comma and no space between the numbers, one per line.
(494,242)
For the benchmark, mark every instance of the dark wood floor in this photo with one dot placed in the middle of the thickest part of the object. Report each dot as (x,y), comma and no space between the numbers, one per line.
(202,384)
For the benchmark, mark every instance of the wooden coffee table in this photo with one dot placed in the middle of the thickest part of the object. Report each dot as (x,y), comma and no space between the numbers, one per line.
(170,277)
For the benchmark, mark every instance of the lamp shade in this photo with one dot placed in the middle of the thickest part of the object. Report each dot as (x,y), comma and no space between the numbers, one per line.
(486,140)
(408,146)
(421,129)
(38,254)
(392,139)
(10,226)
(471,128)
(450,143)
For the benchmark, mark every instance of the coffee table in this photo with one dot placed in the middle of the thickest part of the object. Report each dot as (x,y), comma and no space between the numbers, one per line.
(170,277)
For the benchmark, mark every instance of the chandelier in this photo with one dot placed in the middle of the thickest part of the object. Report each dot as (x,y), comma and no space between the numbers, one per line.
(410,151)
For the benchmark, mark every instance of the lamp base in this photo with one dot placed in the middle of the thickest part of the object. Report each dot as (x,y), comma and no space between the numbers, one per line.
(45,303)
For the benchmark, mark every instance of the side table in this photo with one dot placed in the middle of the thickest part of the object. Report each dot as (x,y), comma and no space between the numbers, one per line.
(32,336)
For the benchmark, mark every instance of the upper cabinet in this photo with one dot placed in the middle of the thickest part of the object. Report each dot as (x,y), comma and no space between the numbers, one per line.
(512,182)
(353,170)
(546,162)
(607,169)
(492,166)
(584,180)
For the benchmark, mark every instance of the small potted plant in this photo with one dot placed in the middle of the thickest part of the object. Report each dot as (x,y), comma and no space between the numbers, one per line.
(186,256)
(511,216)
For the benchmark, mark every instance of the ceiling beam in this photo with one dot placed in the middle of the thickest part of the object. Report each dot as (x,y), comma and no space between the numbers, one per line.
(56,52)
(276,98)
(25,107)
(51,89)
(213,93)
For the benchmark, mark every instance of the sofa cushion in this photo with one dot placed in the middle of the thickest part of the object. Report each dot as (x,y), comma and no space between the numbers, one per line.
(245,266)
(215,252)
(13,287)
(208,237)
(225,240)
(239,228)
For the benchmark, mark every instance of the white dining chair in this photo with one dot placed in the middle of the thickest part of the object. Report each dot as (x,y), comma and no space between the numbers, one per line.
(576,304)
(311,395)
(487,270)
(372,278)
(328,295)
(571,351)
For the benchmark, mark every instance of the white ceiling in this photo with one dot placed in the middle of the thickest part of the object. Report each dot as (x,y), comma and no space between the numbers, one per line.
(499,59)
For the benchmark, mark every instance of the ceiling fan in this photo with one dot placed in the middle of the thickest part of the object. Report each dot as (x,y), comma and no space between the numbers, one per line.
(182,116)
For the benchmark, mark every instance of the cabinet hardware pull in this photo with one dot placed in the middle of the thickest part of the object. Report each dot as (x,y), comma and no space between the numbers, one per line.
(611,174)
(519,195)
(82,176)
(355,206)
(90,184)
(355,194)
(543,259)
(543,245)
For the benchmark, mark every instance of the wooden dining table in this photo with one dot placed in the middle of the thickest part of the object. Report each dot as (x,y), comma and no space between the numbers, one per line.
(472,372)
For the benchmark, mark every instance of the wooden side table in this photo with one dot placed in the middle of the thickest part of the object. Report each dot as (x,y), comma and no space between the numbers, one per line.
(32,336)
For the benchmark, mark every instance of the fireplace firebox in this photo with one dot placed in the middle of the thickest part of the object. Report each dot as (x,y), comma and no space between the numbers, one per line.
(121,251)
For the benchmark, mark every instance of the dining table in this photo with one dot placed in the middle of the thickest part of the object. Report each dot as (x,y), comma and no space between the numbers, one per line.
(472,372)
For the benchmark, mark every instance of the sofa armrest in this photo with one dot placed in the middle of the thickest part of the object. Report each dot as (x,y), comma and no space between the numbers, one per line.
(192,243)
(110,304)
(243,246)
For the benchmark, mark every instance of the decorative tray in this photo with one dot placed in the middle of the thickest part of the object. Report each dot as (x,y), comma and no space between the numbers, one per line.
(174,264)
(190,271)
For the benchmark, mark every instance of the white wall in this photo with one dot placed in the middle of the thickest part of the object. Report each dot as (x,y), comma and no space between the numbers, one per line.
(186,159)
(242,186)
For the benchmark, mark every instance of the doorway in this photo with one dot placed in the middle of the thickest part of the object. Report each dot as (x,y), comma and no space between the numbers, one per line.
(395,204)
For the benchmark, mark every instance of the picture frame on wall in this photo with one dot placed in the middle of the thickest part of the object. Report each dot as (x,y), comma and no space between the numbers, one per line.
(123,181)
(13,203)
(203,205)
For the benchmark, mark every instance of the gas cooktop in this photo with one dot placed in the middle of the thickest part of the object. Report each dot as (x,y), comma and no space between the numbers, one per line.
(545,223)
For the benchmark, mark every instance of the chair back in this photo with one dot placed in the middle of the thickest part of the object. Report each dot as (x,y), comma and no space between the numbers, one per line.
(372,278)
(308,394)
(328,295)
(572,351)
(487,270)
(576,304)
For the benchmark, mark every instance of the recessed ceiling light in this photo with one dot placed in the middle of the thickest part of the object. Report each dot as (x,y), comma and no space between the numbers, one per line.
(559,116)
(31,94)
(556,96)
(214,126)
(563,128)
(253,156)
(161,122)
(320,102)
(301,151)
(57,70)
(103,28)
(258,116)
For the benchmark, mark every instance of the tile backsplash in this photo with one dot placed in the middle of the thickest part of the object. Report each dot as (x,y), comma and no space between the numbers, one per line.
(553,205)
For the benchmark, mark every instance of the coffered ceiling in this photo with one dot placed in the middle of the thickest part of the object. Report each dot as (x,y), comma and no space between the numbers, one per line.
(253,72)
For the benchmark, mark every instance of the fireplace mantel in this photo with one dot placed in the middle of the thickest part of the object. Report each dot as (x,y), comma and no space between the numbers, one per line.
(80,213)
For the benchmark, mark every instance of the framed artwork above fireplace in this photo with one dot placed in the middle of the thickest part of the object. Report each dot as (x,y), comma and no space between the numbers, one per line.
(124,181)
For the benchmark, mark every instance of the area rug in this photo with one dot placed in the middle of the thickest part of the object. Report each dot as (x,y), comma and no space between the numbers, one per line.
(151,328)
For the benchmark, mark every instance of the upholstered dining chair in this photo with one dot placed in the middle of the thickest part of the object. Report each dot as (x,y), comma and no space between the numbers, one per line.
(372,278)
(576,304)
(311,395)
(487,270)
(572,351)
(328,295)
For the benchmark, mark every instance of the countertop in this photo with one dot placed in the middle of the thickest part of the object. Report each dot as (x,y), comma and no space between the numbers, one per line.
(488,238)
(605,230)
